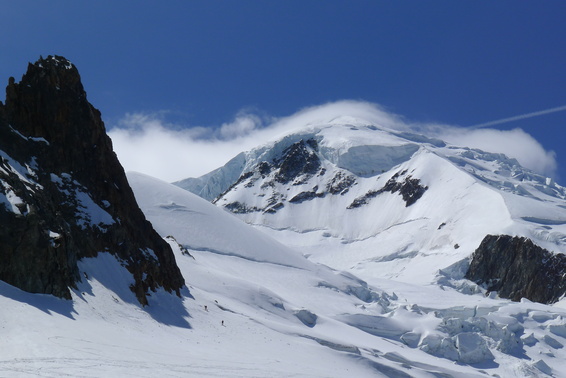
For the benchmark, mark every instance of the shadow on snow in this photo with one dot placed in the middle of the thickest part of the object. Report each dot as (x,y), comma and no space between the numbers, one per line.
(102,277)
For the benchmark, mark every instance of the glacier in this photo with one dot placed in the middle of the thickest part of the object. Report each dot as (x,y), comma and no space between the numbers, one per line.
(312,288)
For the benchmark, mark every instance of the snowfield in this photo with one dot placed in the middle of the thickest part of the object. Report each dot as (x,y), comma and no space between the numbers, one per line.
(255,307)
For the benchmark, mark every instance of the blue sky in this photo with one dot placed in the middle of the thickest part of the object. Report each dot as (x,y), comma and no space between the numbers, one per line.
(203,64)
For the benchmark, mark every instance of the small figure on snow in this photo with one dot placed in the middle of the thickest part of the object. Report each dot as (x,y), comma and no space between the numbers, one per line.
(206,308)
(223,323)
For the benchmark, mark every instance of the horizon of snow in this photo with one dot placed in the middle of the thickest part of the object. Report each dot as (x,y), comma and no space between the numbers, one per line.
(147,143)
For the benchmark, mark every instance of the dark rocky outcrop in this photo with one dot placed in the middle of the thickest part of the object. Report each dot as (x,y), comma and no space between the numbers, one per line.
(340,183)
(516,268)
(364,200)
(64,195)
(296,164)
(240,208)
(298,159)
(307,196)
(410,189)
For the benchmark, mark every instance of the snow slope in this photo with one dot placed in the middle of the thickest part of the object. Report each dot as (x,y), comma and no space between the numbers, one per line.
(256,308)
(334,208)
(422,330)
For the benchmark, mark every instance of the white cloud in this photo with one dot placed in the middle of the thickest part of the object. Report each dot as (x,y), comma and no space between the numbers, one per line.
(244,124)
(147,143)
(514,143)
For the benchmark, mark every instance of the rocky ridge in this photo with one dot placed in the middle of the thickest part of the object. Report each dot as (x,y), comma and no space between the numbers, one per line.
(301,164)
(516,268)
(64,195)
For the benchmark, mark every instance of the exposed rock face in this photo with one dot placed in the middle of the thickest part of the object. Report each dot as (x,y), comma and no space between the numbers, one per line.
(516,268)
(303,165)
(340,183)
(295,166)
(297,160)
(63,193)
(410,189)
(307,196)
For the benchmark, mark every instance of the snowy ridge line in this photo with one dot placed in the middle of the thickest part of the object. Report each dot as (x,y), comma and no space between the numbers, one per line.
(271,227)
(229,254)
(348,241)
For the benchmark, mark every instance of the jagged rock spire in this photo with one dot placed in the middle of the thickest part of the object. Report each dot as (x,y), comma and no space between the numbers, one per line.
(74,200)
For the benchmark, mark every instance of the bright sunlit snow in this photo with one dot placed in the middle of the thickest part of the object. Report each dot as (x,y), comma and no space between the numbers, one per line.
(393,303)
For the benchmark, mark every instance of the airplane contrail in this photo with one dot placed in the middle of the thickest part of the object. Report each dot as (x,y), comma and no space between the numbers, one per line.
(522,116)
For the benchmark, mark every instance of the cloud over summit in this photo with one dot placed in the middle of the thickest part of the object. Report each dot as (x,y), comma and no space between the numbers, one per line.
(514,143)
(147,143)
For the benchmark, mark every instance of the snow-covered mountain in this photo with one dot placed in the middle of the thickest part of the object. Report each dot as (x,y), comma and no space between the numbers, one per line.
(348,259)
(393,328)
(383,203)
(256,308)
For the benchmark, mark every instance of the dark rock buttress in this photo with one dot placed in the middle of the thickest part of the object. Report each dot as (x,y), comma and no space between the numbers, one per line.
(58,166)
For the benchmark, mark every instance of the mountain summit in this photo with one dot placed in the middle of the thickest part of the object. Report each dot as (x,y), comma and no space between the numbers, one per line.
(389,203)
(64,195)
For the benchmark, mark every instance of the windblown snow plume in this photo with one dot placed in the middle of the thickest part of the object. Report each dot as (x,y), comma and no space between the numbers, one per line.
(147,143)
